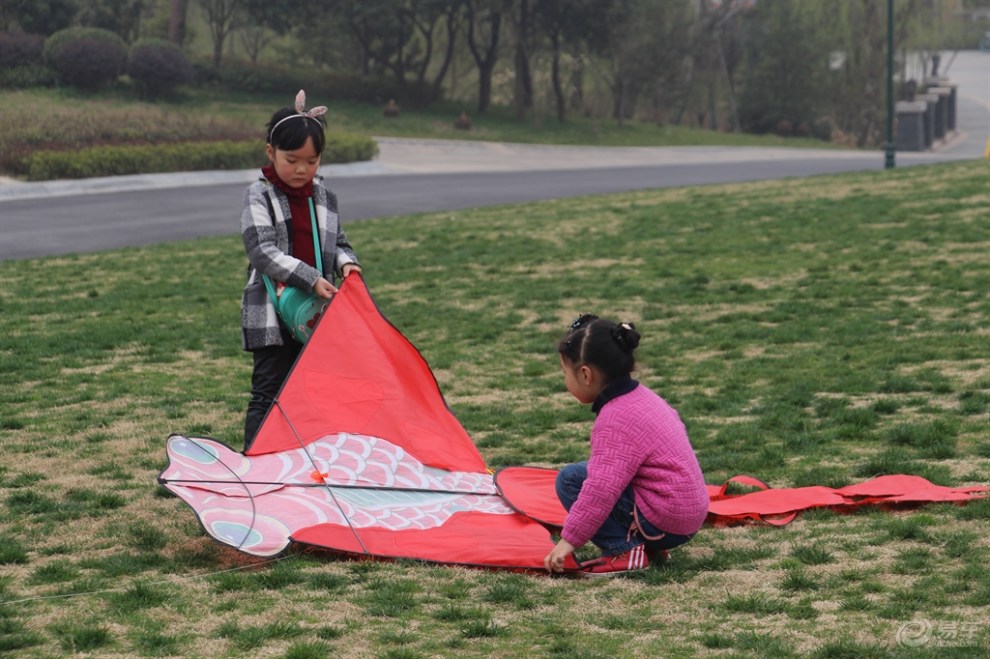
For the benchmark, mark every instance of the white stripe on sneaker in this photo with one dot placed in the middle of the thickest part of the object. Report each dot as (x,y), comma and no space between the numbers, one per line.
(636,556)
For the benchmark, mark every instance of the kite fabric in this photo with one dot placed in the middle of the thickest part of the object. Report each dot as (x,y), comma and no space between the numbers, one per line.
(360,455)
(522,486)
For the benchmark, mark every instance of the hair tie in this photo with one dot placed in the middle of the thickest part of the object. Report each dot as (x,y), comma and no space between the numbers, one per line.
(581,321)
(312,113)
(621,335)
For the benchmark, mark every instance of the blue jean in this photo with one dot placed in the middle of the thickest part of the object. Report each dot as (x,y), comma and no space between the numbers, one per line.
(614,536)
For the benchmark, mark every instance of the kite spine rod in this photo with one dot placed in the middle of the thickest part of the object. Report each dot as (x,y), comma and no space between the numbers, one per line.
(165,481)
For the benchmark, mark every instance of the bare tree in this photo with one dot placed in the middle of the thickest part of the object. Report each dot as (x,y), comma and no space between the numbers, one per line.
(254,38)
(522,19)
(858,30)
(484,22)
(642,44)
(452,21)
(222,18)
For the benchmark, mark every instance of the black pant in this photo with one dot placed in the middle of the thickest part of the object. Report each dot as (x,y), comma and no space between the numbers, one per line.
(271,366)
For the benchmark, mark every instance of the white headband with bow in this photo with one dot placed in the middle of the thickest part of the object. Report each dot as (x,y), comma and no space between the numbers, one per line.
(312,113)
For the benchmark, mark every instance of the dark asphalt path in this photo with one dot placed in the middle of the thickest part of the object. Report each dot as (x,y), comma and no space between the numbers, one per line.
(92,222)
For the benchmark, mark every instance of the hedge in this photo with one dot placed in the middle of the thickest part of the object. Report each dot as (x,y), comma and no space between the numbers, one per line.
(178,157)
(21,63)
(27,75)
(20,49)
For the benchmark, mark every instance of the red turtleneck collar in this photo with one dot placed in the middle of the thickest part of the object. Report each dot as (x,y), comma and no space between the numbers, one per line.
(288,190)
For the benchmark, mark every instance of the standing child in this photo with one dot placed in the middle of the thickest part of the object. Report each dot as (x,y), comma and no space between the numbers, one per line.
(641,492)
(277,229)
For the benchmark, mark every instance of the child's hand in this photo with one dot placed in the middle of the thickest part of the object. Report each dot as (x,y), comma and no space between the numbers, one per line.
(349,268)
(554,562)
(324,289)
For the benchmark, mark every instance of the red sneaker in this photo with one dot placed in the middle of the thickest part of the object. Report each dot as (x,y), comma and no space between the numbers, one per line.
(633,560)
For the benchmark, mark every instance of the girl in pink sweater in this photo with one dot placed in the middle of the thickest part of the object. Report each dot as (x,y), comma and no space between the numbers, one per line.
(641,492)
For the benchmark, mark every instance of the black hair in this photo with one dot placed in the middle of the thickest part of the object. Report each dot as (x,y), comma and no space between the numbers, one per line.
(292,134)
(601,343)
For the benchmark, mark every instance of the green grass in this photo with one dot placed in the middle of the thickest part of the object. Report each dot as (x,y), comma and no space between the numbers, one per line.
(817,331)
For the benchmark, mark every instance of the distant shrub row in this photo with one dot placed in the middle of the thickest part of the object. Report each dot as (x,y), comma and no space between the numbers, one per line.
(91,58)
(189,156)
(25,130)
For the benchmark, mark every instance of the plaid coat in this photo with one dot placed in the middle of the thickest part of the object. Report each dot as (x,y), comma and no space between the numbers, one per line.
(268,243)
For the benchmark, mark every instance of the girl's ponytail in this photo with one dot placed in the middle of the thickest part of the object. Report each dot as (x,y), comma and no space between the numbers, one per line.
(626,336)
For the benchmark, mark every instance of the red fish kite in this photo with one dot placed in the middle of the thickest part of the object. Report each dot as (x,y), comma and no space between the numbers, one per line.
(360,455)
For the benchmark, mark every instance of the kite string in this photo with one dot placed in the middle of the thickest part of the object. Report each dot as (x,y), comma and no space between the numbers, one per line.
(316,467)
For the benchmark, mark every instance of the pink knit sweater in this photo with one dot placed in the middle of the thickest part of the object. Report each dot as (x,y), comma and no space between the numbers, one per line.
(638,438)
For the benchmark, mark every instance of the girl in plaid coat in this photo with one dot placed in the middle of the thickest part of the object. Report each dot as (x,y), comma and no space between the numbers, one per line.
(278,238)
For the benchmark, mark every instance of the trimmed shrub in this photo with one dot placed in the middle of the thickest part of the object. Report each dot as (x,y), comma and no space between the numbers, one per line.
(61,38)
(85,57)
(66,127)
(29,75)
(89,64)
(157,67)
(182,157)
(20,49)
(21,62)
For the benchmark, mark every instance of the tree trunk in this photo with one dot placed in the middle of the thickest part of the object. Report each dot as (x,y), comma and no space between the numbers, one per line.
(177,21)
(874,65)
(484,88)
(558,88)
(448,57)
(523,88)
(485,60)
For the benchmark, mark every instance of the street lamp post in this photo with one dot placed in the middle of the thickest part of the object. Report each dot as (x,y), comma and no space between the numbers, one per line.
(888,161)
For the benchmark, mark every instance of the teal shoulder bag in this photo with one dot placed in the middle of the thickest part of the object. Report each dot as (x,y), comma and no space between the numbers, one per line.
(300,310)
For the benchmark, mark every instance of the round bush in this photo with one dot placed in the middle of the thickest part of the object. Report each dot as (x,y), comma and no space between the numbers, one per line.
(157,67)
(62,38)
(88,64)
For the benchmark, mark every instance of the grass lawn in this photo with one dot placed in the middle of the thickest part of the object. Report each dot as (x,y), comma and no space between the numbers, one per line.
(810,331)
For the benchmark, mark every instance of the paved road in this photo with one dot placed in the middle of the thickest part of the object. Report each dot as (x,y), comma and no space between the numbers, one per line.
(431,175)
(61,224)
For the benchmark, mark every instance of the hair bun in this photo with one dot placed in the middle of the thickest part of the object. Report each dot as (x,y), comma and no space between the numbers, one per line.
(626,336)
